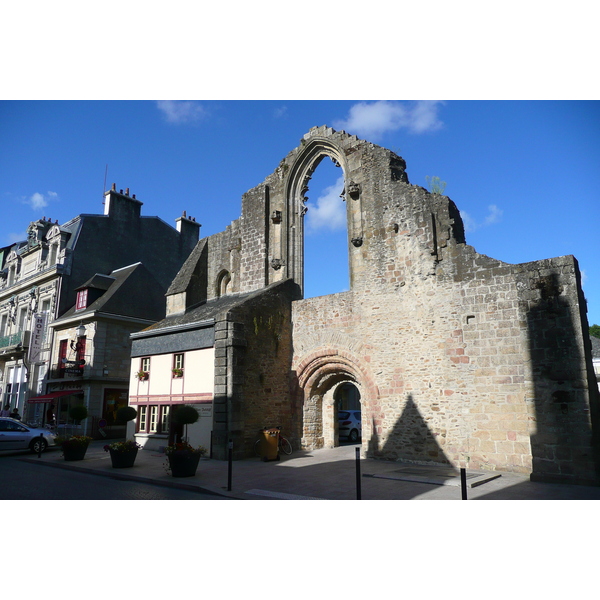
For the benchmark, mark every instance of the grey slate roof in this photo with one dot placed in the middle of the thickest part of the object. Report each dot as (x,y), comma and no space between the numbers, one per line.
(133,292)
(204,311)
(595,346)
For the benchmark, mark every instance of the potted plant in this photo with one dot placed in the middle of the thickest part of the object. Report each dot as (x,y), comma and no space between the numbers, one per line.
(74,447)
(122,454)
(183,459)
(177,372)
(142,375)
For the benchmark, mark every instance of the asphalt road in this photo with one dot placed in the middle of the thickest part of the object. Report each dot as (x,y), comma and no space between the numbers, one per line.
(20,480)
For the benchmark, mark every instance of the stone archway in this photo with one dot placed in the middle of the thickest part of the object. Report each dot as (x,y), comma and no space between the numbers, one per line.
(319,376)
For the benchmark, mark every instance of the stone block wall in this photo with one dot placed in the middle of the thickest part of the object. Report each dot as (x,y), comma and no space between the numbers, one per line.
(459,358)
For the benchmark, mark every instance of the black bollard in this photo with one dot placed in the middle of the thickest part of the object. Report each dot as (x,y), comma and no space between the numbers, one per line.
(463,483)
(41,445)
(229,461)
(358,490)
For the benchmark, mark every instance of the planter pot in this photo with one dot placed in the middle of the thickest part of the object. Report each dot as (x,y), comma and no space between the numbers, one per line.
(123,460)
(184,464)
(75,452)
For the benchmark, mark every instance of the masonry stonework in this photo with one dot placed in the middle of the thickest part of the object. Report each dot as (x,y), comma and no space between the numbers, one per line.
(459,358)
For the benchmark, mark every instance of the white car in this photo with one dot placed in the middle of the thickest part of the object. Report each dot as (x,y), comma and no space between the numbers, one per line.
(350,425)
(15,435)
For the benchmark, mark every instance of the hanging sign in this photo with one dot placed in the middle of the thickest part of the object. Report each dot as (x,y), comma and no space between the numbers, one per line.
(37,337)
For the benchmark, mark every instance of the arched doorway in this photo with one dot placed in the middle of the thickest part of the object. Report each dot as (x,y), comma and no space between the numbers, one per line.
(349,415)
(329,379)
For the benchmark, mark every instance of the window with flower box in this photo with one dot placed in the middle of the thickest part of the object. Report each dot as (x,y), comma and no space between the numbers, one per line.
(178,365)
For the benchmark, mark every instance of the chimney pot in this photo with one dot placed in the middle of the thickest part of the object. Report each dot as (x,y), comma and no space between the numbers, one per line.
(127,191)
(114,187)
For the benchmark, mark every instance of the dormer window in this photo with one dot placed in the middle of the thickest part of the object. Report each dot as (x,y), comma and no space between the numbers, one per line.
(82,297)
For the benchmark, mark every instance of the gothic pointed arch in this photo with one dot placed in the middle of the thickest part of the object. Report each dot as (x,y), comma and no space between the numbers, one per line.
(319,144)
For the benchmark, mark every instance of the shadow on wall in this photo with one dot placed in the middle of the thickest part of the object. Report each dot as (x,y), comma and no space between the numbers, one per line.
(564,447)
(410,439)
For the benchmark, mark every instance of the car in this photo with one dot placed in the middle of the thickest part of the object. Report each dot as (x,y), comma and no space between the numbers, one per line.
(350,425)
(15,435)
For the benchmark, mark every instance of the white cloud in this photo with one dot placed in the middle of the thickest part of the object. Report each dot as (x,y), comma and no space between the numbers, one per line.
(329,210)
(280,112)
(494,216)
(373,119)
(38,201)
(181,111)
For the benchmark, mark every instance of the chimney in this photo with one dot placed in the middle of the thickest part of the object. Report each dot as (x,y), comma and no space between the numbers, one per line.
(188,230)
(120,206)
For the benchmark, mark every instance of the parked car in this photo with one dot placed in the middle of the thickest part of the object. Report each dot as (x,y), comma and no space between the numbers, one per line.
(350,425)
(15,435)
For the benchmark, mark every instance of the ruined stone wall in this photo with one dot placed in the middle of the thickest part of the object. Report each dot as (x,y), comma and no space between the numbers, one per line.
(259,365)
(459,358)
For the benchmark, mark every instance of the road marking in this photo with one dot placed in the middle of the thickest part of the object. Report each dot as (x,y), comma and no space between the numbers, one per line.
(280,495)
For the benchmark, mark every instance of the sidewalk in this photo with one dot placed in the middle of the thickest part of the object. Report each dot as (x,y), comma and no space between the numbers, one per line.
(327,474)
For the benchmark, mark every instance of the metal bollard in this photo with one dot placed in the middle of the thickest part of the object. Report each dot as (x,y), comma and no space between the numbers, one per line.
(463,483)
(229,466)
(358,490)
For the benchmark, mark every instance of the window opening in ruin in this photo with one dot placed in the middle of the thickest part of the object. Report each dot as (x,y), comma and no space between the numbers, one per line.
(223,283)
(325,233)
(349,415)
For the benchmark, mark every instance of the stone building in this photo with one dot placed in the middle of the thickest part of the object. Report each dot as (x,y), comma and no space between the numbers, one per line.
(40,278)
(90,354)
(457,358)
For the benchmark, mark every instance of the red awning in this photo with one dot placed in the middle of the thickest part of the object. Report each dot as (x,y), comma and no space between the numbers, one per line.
(53,395)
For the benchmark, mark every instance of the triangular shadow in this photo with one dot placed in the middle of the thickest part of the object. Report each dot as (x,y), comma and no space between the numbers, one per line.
(411,440)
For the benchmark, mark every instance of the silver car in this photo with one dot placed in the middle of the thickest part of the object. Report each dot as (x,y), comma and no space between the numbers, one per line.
(350,425)
(15,435)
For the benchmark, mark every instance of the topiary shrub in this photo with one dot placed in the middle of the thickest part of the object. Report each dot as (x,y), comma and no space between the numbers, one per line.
(185,415)
(78,413)
(125,414)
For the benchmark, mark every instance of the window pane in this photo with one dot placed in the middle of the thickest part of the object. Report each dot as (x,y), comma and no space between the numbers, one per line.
(142,425)
(164,418)
(153,418)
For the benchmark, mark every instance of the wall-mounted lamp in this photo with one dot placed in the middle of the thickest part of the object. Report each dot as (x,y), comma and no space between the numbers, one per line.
(81,330)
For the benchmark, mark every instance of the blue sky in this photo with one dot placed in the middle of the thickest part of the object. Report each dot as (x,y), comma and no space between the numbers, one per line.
(522,173)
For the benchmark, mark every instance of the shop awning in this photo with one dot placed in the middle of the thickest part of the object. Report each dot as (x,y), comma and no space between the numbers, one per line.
(53,395)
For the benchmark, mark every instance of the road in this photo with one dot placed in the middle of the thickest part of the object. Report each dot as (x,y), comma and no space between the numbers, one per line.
(20,480)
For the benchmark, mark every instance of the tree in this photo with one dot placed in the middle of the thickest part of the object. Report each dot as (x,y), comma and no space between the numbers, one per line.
(595,330)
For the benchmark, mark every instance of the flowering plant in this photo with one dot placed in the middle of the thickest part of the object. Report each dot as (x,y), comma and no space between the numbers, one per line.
(142,375)
(74,441)
(127,446)
(184,448)
(178,372)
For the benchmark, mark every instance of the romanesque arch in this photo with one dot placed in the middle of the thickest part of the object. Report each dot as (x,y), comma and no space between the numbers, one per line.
(319,375)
